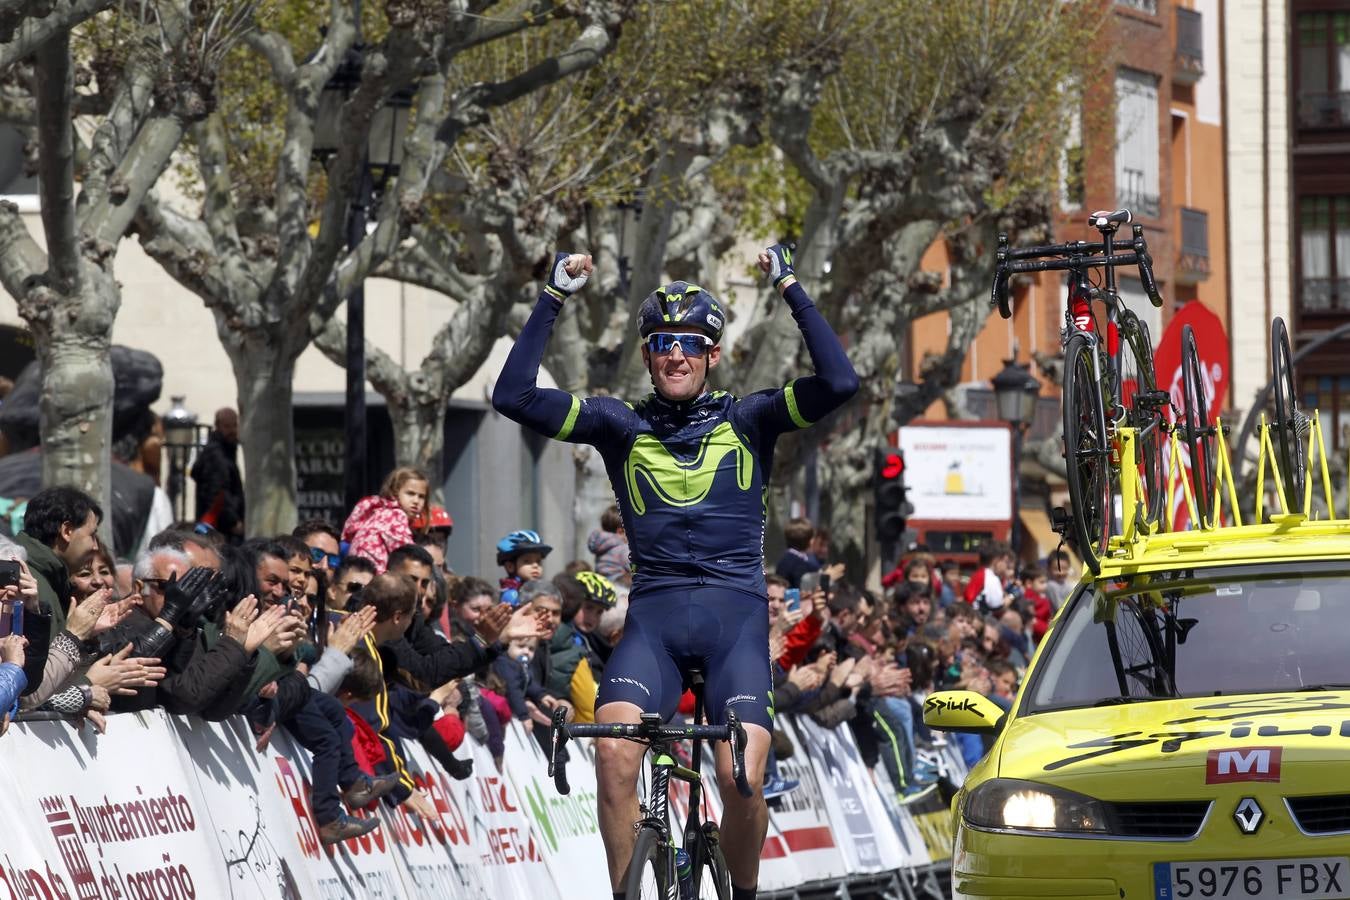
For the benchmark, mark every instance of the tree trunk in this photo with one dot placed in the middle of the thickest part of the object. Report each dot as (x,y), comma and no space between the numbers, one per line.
(594,494)
(419,437)
(263,375)
(77,392)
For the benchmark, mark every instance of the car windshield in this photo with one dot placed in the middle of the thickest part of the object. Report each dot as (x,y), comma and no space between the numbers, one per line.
(1244,631)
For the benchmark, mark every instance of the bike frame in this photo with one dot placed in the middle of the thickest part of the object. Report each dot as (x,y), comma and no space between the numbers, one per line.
(663,766)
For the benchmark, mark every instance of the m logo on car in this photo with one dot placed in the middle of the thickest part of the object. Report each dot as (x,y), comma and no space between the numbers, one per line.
(1243,764)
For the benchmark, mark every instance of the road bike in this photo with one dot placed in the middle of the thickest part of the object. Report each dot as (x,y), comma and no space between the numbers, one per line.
(1113,409)
(651,873)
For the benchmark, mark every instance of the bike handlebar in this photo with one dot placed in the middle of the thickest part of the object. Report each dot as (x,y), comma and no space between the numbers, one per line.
(1074,256)
(732,732)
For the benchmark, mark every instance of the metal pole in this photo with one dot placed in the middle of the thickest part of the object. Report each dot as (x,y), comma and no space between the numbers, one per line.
(1015,536)
(354,417)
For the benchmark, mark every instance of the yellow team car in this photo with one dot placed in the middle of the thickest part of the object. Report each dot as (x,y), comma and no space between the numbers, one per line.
(1183,732)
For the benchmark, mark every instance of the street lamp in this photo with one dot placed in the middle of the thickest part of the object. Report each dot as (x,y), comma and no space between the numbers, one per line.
(381,160)
(1015,392)
(180,437)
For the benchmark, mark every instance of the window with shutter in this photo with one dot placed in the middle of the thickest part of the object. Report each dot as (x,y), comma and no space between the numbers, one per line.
(1137,182)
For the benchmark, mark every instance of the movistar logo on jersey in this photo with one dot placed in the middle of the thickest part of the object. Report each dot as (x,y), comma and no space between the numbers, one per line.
(677,483)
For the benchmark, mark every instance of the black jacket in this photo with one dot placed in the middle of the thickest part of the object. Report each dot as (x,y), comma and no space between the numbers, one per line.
(425,660)
(206,677)
(216,473)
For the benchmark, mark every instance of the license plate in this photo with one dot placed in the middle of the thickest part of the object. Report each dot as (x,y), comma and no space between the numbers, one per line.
(1321,878)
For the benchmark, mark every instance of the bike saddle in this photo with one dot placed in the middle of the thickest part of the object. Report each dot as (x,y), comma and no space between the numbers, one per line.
(693,678)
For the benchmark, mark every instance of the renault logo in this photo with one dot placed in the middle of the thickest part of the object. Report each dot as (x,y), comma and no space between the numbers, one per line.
(1248,815)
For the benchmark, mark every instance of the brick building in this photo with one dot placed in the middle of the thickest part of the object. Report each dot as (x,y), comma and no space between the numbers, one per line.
(1150,137)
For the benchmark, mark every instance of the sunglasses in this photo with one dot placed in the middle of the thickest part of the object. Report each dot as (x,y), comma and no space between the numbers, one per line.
(694,345)
(316,556)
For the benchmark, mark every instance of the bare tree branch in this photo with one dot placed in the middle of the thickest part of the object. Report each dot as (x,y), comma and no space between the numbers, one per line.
(56,161)
(145,160)
(292,176)
(24,26)
(469,107)
(183,247)
(385,375)
(23,260)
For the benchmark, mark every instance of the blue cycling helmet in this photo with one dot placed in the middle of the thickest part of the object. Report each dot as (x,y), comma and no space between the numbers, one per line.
(681,303)
(519,542)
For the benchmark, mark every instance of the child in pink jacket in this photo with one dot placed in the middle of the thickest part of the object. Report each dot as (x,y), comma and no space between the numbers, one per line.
(382,523)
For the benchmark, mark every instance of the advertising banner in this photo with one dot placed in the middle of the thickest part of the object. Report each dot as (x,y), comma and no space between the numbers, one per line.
(958,473)
(832,756)
(902,820)
(122,822)
(802,844)
(568,834)
(163,806)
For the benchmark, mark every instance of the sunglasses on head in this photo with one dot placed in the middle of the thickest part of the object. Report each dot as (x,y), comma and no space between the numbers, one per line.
(690,344)
(316,555)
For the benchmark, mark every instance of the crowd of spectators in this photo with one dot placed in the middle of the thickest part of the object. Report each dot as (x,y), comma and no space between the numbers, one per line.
(356,638)
(845,655)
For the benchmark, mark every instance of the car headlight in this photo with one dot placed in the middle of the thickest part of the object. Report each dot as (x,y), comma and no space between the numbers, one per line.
(1029,806)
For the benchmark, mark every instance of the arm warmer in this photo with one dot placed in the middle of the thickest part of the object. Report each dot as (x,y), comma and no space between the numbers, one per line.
(517,396)
(834,381)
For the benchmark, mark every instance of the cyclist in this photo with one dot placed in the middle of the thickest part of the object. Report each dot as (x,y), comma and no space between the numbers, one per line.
(689,467)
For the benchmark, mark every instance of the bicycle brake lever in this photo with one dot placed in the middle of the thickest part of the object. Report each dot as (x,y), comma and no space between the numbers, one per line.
(737,738)
(557,760)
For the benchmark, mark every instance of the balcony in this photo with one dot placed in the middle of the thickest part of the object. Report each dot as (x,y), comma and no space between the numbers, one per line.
(1324,110)
(1190,64)
(1144,6)
(1193,261)
(1132,193)
(1324,296)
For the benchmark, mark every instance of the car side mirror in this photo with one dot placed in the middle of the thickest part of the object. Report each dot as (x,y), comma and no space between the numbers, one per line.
(964,711)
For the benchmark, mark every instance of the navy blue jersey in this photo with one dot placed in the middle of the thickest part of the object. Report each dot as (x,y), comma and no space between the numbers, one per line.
(689,478)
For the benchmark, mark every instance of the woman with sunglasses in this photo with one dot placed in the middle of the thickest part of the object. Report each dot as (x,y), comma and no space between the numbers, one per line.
(688,466)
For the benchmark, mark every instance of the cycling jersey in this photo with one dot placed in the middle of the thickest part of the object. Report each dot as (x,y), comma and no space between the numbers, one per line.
(689,477)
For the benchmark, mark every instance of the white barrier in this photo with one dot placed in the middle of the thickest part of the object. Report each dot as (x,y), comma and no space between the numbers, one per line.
(164,807)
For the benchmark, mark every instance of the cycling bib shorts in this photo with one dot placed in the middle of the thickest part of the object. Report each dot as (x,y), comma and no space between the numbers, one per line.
(723,631)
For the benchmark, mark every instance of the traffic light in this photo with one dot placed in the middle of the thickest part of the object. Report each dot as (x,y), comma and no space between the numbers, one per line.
(890,507)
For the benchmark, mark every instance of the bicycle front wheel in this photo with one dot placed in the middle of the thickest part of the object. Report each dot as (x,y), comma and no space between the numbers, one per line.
(712,879)
(650,872)
(1087,451)
(1289,438)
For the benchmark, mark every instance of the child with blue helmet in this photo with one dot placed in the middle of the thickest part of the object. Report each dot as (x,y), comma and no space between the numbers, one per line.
(521,554)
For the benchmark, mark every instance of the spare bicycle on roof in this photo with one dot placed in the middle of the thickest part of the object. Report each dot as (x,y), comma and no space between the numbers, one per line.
(1123,481)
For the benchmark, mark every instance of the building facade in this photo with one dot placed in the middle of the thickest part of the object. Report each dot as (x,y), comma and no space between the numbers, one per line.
(1317,112)
(1150,138)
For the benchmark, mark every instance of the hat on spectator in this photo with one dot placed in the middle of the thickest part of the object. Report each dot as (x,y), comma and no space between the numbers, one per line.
(434,517)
